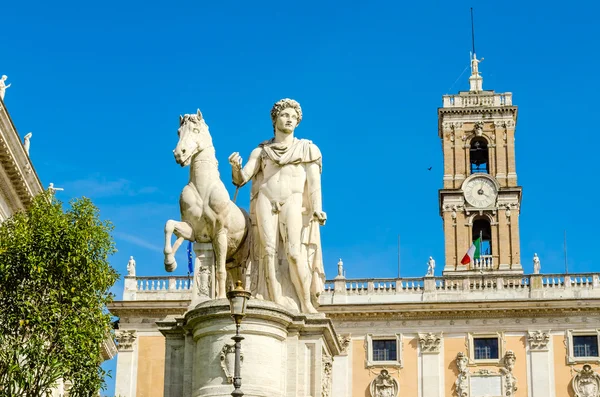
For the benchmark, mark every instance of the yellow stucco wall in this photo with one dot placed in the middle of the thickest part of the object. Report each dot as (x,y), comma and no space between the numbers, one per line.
(451,348)
(562,372)
(409,375)
(151,366)
(517,345)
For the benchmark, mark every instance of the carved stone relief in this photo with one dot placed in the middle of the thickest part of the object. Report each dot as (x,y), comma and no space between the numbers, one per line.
(462,381)
(510,381)
(478,128)
(586,382)
(327,380)
(430,342)
(227,357)
(465,380)
(204,281)
(345,341)
(538,340)
(125,340)
(384,385)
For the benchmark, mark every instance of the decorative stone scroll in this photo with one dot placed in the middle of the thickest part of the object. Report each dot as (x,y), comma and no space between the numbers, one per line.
(586,382)
(327,380)
(384,385)
(430,342)
(538,340)
(227,357)
(125,340)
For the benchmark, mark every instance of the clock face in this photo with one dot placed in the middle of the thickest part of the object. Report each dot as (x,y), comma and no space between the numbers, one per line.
(480,192)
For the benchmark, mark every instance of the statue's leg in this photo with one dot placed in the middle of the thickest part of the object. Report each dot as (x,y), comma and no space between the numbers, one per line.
(183,231)
(267,231)
(291,215)
(220,247)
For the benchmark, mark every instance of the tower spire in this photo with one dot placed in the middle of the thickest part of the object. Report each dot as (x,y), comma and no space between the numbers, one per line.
(475,81)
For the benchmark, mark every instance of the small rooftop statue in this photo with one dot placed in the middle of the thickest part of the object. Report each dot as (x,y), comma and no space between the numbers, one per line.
(430,267)
(340,274)
(536,264)
(3,86)
(53,189)
(131,267)
(26,142)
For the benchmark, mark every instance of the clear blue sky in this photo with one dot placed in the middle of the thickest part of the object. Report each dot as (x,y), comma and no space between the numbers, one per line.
(101,86)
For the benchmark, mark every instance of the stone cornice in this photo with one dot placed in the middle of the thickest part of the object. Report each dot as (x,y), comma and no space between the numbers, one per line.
(18,180)
(453,310)
(148,309)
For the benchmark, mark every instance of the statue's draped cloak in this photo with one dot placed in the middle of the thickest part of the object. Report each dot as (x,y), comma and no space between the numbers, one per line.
(301,151)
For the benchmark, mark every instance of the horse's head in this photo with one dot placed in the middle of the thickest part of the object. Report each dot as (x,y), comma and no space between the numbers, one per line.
(193,138)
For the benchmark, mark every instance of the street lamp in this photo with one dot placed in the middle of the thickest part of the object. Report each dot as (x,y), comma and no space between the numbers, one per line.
(238,297)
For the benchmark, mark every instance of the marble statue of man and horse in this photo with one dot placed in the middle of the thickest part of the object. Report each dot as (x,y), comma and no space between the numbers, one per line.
(277,245)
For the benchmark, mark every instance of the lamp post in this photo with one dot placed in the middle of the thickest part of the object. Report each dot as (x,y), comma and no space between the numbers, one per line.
(238,297)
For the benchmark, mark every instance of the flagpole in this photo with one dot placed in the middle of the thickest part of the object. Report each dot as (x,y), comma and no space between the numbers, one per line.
(398,256)
(566,260)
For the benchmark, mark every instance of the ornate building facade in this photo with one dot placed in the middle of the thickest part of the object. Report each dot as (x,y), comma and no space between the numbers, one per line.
(484,328)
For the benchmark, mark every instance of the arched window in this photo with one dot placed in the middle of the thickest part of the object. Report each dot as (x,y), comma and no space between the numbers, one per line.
(482,228)
(479,156)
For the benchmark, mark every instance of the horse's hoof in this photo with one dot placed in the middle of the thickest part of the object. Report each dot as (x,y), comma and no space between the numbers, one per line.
(170,265)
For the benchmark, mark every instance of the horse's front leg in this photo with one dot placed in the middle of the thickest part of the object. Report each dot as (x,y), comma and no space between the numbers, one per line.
(220,247)
(183,231)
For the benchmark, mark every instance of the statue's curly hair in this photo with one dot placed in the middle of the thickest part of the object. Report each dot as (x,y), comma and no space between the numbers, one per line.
(282,105)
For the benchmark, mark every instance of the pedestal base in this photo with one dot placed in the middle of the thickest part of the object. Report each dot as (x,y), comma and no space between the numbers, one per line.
(284,354)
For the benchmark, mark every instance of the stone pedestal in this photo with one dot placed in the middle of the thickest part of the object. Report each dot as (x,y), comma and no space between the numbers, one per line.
(284,354)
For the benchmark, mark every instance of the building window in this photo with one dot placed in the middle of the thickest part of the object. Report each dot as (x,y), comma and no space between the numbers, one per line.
(479,156)
(383,350)
(585,345)
(485,348)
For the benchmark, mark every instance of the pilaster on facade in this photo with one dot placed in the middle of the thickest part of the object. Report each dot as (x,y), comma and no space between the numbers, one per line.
(540,364)
(127,363)
(431,364)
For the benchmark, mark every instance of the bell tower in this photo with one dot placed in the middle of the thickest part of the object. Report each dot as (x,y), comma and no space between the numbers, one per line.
(480,200)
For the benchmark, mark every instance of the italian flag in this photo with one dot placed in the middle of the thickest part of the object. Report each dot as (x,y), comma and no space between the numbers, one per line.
(474,252)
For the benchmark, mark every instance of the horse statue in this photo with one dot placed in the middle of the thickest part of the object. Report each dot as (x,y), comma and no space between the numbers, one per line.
(207,212)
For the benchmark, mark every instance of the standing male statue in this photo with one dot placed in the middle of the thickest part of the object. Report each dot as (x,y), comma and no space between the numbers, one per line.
(3,86)
(286,211)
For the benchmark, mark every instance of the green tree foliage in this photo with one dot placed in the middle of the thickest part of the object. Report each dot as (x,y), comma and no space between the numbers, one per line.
(54,287)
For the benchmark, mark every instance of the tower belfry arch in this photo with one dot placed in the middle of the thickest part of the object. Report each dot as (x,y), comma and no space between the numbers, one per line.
(480,197)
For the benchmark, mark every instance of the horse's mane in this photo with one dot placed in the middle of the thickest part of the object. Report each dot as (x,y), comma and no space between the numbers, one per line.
(194,118)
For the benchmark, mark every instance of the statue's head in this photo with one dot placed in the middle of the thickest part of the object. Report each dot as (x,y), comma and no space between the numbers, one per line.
(193,138)
(286,114)
(4,77)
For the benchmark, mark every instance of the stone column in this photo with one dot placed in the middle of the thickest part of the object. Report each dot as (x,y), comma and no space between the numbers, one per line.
(431,365)
(126,381)
(174,357)
(540,364)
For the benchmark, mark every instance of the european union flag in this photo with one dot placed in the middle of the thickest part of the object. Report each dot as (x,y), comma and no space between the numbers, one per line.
(190,260)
